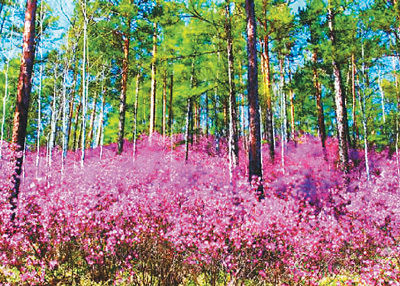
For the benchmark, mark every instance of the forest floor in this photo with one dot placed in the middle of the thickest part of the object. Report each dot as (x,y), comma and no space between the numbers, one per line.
(154,219)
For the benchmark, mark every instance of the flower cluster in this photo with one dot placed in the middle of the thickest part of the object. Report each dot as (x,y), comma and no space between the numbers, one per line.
(156,218)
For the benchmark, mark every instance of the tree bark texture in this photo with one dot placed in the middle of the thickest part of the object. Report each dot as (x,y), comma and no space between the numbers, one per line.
(23,98)
(255,168)
(153,83)
(233,135)
(124,83)
(341,111)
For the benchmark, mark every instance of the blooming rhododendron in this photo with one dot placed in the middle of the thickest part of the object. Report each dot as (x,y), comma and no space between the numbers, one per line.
(158,219)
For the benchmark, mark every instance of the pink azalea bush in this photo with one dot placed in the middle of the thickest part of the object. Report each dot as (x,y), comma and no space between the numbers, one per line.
(158,219)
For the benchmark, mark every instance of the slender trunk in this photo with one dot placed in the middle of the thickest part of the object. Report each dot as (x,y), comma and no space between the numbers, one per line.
(92,120)
(71,107)
(283,112)
(153,83)
(84,85)
(75,145)
(318,98)
(101,121)
(39,99)
(53,122)
(70,116)
(207,116)
(268,97)
(64,106)
(291,98)
(135,114)
(191,119)
(255,168)
(341,111)
(363,107)
(233,136)
(170,114)
(22,100)
(353,92)
(122,103)
(242,113)
(164,104)
(187,133)
(292,124)
(64,117)
(382,97)
(216,121)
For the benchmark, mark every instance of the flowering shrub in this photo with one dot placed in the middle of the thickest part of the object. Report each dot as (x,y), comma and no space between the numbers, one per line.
(158,219)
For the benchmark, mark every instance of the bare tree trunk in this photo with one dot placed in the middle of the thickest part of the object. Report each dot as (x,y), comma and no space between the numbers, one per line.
(170,110)
(353,91)
(164,104)
(341,111)
(153,82)
(187,134)
(233,136)
(22,102)
(362,107)
(283,112)
(75,142)
(71,107)
(292,124)
(122,104)
(92,120)
(53,122)
(268,97)
(255,168)
(84,83)
(207,116)
(135,113)
(101,121)
(320,108)
(382,97)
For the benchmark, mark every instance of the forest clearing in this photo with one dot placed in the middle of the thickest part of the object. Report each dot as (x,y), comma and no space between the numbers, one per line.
(199,142)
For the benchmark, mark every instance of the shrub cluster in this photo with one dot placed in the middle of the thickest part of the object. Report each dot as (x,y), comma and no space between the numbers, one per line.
(158,220)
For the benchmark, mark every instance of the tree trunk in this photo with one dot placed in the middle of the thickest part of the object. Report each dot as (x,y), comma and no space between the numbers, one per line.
(320,108)
(71,107)
(84,86)
(255,168)
(164,104)
(53,123)
(341,111)
(170,110)
(22,102)
(353,91)
(153,83)
(122,103)
(91,124)
(233,136)
(382,97)
(75,143)
(292,124)
(187,135)
(283,111)
(135,113)
(266,71)
(207,116)
(101,121)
